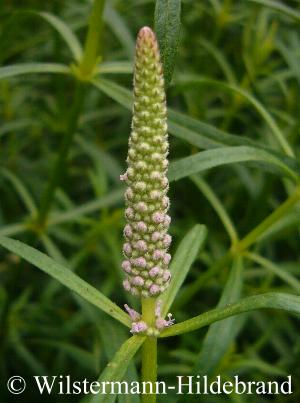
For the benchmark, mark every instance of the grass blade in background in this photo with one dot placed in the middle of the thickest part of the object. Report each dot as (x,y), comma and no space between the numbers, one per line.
(221,334)
(167,29)
(278,6)
(65,32)
(33,68)
(66,277)
(184,257)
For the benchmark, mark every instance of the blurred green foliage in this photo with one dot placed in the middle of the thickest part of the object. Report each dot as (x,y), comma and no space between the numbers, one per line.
(237,70)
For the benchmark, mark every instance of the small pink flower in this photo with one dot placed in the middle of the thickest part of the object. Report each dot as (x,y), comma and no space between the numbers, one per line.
(138,327)
(138,280)
(128,231)
(129,213)
(141,226)
(154,289)
(156,236)
(160,323)
(165,202)
(158,217)
(141,245)
(140,262)
(127,248)
(126,266)
(142,207)
(123,177)
(167,258)
(154,271)
(158,308)
(134,315)
(167,240)
(129,194)
(167,220)
(158,254)
(126,285)
(167,275)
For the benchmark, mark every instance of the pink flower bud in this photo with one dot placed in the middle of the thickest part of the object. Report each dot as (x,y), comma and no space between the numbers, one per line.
(167,240)
(141,245)
(154,271)
(158,254)
(127,248)
(140,262)
(158,217)
(138,280)
(155,236)
(128,231)
(126,266)
(141,226)
(167,258)
(126,285)
(154,289)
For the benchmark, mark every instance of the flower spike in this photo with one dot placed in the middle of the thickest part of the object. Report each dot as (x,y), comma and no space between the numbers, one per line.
(146,231)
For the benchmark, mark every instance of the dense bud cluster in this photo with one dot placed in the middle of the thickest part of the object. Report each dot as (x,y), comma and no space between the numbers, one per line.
(146,232)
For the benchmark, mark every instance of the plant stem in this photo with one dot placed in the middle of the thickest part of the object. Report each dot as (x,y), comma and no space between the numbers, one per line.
(59,166)
(149,350)
(92,42)
(86,67)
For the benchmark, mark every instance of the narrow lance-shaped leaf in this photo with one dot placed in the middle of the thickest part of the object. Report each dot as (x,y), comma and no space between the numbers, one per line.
(65,32)
(32,68)
(227,155)
(270,300)
(66,277)
(206,136)
(167,28)
(116,369)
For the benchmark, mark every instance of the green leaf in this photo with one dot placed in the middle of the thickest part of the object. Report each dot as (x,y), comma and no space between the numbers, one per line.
(214,347)
(121,67)
(201,134)
(279,6)
(274,268)
(193,131)
(75,214)
(66,277)
(21,190)
(117,24)
(113,336)
(228,155)
(182,261)
(65,32)
(218,206)
(167,29)
(193,80)
(32,68)
(116,369)
(270,300)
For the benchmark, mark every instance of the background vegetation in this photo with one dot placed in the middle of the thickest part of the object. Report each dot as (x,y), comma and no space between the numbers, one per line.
(236,86)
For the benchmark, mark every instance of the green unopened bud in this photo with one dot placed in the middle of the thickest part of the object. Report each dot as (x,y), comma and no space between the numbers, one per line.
(147,241)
